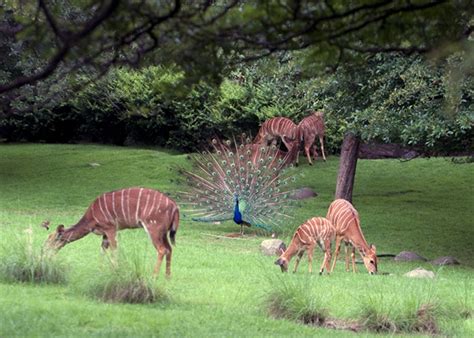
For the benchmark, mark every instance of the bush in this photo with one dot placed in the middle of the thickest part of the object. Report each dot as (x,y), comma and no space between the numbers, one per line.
(296,300)
(22,261)
(395,99)
(124,279)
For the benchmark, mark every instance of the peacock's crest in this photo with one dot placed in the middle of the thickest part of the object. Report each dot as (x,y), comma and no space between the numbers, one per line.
(240,181)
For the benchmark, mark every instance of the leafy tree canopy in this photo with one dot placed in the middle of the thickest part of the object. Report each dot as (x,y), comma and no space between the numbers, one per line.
(204,36)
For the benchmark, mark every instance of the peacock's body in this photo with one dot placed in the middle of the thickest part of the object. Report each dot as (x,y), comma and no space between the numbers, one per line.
(243,182)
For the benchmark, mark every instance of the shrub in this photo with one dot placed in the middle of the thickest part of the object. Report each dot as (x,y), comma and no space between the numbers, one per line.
(296,300)
(124,279)
(22,261)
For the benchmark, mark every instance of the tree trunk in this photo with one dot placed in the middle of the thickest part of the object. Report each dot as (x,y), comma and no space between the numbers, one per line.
(347,167)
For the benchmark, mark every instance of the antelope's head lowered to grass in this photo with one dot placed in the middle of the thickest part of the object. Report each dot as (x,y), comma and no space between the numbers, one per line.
(55,239)
(370,259)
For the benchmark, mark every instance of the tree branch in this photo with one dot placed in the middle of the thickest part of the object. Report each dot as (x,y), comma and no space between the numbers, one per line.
(59,56)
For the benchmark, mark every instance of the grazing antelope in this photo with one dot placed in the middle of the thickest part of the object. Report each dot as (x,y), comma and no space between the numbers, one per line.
(317,230)
(310,127)
(279,127)
(345,218)
(126,209)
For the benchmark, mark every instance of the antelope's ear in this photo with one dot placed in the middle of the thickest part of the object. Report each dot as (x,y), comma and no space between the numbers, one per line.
(60,229)
(372,247)
(281,250)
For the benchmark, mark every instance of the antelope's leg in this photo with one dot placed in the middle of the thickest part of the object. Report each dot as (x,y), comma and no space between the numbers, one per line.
(298,258)
(346,250)
(315,152)
(353,256)
(336,252)
(310,257)
(306,150)
(105,243)
(157,237)
(169,251)
(321,140)
(327,257)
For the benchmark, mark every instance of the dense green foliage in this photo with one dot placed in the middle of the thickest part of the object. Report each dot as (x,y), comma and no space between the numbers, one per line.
(220,286)
(398,99)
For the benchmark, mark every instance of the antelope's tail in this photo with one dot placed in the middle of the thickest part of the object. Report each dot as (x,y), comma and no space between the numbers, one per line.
(174,227)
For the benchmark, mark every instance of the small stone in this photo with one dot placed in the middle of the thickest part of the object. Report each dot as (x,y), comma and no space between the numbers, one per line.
(271,247)
(408,256)
(94,165)
(420,273)
(446,260)
(303,193)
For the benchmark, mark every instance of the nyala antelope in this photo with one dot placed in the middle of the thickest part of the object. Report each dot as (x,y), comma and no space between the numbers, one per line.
(345,218)
(128,208)
(317,230)
(279,127)
(310,127)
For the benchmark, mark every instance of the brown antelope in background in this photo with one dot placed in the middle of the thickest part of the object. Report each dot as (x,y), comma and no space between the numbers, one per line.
(345,218)
(279,127)
(128,208)
(317,230)
(310,127)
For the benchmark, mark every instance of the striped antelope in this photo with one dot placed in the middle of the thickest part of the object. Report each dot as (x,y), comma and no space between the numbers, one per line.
(310,127)
(126,209)
(345,218)
(317,230)
(279,127)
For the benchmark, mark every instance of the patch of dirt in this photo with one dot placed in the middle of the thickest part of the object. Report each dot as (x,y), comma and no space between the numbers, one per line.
(341,324)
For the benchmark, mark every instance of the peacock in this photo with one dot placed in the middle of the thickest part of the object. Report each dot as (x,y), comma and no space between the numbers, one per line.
(240,181)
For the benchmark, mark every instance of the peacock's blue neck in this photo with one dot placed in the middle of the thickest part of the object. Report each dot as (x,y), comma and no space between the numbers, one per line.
(237,213)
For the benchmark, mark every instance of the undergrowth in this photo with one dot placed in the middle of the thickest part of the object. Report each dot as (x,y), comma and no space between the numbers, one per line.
(296,300)
(123,278)
(23,260)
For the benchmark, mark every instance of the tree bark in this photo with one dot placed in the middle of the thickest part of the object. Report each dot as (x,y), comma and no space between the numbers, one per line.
(347,167)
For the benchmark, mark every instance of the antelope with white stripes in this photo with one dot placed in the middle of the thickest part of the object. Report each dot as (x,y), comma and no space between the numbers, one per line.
(317,230)
(310,127)
(345,218)
(279,127)
(128,208)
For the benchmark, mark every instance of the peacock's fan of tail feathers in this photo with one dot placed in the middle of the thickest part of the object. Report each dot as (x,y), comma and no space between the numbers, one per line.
(257,175)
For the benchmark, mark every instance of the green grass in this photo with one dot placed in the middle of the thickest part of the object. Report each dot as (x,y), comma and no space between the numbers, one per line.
(221,287)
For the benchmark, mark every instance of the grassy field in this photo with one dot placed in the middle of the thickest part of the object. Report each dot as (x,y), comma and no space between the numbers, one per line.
(223,287)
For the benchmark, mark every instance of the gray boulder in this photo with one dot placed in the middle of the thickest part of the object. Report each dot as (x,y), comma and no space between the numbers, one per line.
(303,193)
(446,260)
(420,273)
(271,247)
(408,256)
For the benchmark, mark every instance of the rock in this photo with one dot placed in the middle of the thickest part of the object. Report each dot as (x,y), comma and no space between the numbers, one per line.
(446,260)
(408,256)
(271,247)
(303,193)
(420,273)
(94,165)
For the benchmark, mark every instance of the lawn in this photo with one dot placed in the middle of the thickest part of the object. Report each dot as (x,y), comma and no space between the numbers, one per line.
(222,287)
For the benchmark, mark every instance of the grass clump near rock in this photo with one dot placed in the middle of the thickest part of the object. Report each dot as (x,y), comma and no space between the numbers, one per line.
(124,279)
(22,260)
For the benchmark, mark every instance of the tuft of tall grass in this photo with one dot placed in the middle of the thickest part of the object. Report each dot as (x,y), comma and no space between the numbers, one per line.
(123,278)
(24,261)
(296,299)
(387,314)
